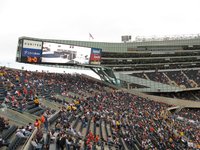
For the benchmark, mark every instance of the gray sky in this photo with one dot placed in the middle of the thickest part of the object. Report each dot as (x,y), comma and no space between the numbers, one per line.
(106,20)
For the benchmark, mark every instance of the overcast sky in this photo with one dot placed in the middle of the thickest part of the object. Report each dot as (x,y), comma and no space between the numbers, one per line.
(106,20)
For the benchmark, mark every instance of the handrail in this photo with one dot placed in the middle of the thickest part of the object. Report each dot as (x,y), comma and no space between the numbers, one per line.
(28,141)
(52,116)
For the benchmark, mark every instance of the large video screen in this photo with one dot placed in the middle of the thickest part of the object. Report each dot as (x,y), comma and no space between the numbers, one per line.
(47,52)
(61,53)
(69,54)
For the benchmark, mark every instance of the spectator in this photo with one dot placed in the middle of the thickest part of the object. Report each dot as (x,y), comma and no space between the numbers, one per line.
(37,123)
(36,102)
(36,144)
(46,116)
(20,133)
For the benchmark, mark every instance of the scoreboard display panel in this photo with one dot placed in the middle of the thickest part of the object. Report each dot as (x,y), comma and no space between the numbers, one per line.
(31,51)
(63,53)
(55,53)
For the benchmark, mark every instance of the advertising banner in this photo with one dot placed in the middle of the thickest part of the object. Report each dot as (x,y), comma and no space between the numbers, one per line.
(32,44)
(95,57)
(31,52)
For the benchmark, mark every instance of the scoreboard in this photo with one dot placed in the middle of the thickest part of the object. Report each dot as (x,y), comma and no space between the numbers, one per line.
(32,51)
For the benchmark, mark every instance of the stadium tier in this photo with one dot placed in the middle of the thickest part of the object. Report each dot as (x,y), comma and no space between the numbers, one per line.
(72,111)
(165,65)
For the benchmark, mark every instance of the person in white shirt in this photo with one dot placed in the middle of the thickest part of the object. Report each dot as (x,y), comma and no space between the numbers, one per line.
(20,134)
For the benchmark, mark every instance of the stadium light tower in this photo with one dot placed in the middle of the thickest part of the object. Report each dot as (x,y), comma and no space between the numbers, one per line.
(126,38)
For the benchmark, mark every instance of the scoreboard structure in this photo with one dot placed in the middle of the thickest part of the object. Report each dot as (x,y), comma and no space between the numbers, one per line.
(33,51)
(58,54)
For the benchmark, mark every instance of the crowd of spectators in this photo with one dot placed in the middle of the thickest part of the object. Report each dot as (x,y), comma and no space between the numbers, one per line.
(158,77)
(184,78)
(67,136)
(133,120)
(194,75)
(149,126)
(187,120)
(21,87)
(190,114)
(24,131)
(143,114)
(184,95)
(180,78)
(18,88)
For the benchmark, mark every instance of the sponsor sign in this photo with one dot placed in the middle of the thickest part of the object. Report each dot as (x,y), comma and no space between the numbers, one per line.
(95,57)
(32,44)
(31,52)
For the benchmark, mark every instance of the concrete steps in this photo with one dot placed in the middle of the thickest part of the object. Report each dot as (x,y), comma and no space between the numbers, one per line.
(51,104)
(21,119)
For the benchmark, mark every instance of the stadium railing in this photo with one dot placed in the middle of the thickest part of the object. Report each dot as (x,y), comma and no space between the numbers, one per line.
(28,145)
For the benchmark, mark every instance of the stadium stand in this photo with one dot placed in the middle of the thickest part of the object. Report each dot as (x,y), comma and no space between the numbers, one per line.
(185,95)
(184,78)
(98,118)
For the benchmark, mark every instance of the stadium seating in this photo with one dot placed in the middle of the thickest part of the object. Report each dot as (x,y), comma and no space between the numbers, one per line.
(16,143)
(9,132)
(193,75)
(125,120)
(183,78)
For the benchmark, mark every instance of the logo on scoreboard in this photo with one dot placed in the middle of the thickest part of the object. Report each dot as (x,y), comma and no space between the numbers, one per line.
(31,52)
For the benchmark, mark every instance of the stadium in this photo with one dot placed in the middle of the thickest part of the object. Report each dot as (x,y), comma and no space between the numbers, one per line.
(146,96)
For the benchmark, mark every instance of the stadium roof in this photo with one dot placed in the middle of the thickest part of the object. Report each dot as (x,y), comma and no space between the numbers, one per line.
(122,47)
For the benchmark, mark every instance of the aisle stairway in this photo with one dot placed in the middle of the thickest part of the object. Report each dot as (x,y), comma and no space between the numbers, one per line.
(104,130)
(35,110)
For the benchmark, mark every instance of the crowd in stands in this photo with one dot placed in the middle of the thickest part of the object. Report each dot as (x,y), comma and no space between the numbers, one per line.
(185,95)
(180,78)
(21,134)
(158,77)
(149,126)
(183,79)
(19,91)
(24,132)
(132,121)
(188,95)
(188,121)
(190,114)
(194,75)
(38,141)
